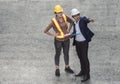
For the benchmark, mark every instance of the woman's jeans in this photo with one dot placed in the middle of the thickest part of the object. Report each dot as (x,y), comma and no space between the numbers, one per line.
(58,46)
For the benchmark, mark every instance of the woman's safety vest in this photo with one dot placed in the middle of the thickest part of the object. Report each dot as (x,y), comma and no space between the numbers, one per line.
(58,26)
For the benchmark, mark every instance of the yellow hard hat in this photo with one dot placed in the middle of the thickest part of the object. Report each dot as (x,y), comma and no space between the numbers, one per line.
(58,8)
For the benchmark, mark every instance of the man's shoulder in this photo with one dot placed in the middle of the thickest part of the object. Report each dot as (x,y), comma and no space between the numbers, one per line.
(84,17)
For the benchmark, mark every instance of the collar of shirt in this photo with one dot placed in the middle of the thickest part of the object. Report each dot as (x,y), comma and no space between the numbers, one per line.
(76,22)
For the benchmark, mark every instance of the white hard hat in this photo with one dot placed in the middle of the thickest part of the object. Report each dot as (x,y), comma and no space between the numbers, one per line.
(74,11)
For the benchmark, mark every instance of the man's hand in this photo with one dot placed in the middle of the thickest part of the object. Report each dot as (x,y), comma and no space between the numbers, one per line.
(91,20)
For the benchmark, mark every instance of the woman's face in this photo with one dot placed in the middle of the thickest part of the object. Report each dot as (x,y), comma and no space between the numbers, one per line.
(59,14)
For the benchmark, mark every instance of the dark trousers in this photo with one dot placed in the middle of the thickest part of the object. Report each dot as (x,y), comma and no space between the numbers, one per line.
(82,52)
(61,45)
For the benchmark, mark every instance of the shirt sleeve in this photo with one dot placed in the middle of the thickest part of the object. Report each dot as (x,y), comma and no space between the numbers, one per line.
(86,19)
(69,20)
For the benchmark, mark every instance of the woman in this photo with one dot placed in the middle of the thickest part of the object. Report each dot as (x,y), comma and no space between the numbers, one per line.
(61,29)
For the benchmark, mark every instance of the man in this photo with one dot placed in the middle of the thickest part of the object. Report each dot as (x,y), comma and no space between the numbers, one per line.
(81,40)
(59,25)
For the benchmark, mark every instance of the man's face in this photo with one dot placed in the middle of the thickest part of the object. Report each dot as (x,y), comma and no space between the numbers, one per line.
(76,17)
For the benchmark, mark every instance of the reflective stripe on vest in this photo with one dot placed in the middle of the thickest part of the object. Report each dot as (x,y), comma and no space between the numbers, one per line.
(58,27)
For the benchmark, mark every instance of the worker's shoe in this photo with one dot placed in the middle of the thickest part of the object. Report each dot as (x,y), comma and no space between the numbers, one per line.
(57,72)
(69,70)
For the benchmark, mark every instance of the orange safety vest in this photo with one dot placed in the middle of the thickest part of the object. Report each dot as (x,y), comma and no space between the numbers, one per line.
(58,26)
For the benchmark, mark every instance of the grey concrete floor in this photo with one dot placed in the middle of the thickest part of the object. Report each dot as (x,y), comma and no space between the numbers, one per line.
(27,54)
